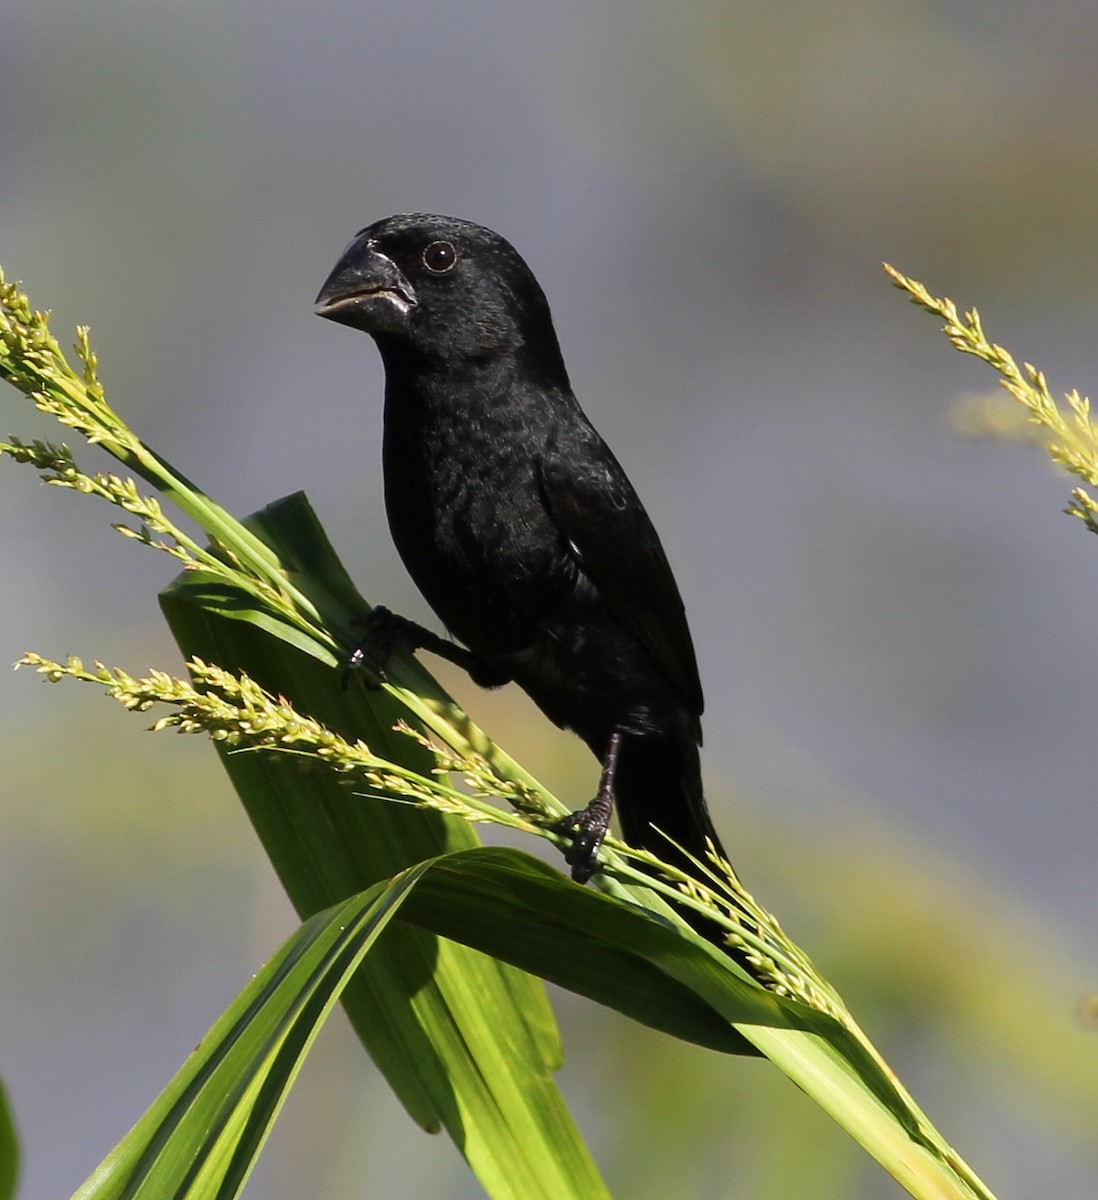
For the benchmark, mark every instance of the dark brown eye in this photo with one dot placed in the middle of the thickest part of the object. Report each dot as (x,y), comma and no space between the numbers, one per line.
(440,257)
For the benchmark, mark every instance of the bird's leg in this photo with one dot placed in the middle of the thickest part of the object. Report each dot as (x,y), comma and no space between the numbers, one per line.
(386,630)
(589,825)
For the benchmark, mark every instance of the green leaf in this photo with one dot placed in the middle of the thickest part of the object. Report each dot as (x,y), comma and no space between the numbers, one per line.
(618,953)
(468,1043)
(200,1138)
(518,908)
(217,596)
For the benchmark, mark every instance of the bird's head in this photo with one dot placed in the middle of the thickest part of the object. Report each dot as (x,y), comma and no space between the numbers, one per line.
(438,287)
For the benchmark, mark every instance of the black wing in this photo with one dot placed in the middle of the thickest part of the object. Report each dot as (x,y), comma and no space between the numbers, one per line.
(597,510)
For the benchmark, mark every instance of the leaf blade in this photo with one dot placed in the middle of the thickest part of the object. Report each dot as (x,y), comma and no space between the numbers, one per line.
(201,1137)
(326,844)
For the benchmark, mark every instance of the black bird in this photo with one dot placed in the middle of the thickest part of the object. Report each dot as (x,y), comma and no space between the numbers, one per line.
(520,527)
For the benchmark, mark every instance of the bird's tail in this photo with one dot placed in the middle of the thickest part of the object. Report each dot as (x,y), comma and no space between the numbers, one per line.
(660,803)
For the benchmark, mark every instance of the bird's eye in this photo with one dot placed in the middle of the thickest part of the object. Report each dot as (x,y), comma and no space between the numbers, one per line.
(439,257)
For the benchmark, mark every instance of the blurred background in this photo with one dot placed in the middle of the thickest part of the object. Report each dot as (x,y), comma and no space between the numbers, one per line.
(891,621)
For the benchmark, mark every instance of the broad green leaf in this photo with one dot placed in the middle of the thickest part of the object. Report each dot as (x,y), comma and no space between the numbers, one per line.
(468,1043)
(507,903)
(222,599)
(518,908)
(200,1138)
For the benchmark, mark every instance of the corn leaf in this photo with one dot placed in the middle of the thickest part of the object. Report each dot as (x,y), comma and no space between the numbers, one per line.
(468,1043)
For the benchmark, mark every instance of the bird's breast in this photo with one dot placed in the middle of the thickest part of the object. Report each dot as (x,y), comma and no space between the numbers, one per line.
(468,518)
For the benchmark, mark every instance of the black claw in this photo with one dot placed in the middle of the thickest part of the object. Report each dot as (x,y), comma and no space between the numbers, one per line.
(587,828)
(385,631)
(584,856)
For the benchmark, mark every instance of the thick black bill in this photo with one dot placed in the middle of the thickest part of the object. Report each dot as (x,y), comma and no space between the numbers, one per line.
(367,291)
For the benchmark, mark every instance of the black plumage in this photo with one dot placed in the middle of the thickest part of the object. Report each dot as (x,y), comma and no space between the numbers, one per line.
(518,524)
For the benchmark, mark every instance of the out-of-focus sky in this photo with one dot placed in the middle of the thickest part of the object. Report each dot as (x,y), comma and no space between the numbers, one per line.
(893,624)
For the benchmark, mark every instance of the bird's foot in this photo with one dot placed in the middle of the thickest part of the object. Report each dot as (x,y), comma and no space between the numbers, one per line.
(384,632)
(387,631)
(587,828)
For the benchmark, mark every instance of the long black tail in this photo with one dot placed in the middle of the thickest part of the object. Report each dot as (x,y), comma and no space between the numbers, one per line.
(660,802)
